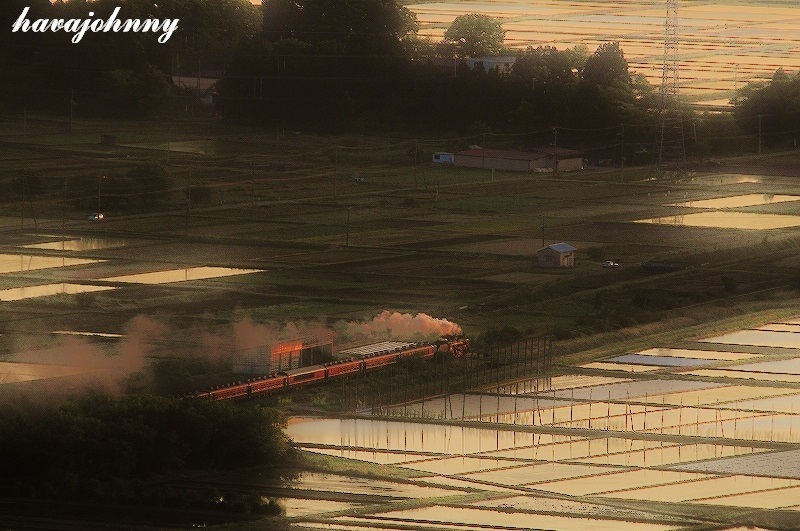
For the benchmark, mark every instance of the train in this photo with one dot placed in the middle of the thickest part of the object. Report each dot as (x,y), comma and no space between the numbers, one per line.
(371,360)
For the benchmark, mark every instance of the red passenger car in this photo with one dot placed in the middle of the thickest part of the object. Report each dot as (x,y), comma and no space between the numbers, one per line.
(379,360)
(270,384)
(305,375)
(342,367)
(228,393)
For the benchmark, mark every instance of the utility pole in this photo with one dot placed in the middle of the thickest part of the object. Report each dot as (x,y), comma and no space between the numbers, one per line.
(542,232)
(416,156)
(71,105)
(22,204)
(188,201)
(622,153)
(64,205)
(335,168)
(347,233)
(759,133)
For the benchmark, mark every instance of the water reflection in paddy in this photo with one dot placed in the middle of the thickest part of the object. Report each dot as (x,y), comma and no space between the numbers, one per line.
(46,290)
(539,473)
(761,338)
(438,515)
(703,489)
(301,507)
(728,220)
(198,147)
(727,178)
(181,275)
(16,263)
(782,463)
(12,372)
(383,458)
(698,354)
(768,499)
(663,361)
(673,454)
(372,486)
(633,389)
(739,201)
(460,465)
(79,244)
(410,437)
(617,480)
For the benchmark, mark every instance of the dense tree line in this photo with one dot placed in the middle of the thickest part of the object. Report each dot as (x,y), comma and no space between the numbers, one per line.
(303,69)
(104,449)
(771,109)
(118,74)
(344,64)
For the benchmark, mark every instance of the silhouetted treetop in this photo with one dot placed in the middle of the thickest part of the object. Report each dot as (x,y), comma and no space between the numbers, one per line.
(377,26)
(475,35)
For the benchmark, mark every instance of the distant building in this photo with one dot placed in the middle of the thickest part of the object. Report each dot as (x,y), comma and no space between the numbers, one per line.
(562,159)
(503,63)
(556,255)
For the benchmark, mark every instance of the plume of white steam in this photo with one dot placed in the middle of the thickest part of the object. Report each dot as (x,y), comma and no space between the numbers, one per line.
(396,325)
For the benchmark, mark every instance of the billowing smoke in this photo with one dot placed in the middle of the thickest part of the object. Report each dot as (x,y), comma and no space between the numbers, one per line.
(112,366)
(396,325)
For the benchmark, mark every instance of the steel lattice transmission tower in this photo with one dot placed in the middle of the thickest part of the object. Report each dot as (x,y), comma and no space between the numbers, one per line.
(671,146)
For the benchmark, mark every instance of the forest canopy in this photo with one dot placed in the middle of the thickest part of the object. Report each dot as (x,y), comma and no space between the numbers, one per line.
(100,448)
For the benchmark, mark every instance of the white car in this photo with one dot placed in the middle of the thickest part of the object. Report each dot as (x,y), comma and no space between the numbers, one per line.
(96,216)
(610,263)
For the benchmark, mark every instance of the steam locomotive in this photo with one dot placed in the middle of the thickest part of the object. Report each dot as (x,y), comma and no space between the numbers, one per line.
(293,378)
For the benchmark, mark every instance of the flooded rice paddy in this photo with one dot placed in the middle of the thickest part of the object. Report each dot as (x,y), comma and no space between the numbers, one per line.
(548,454)
(46,290)
(180,275)
(24,263)
(78,244)
(19,263)
(728,220)
(15,372)
(720,212)
(739,201)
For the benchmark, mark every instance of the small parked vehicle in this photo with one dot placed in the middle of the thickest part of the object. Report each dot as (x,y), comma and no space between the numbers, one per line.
(610,263)
(96,216)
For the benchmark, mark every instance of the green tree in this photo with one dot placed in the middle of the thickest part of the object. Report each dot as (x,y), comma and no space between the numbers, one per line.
(374,26)
(475,35)
(607,93)
(606,67)
(771,109)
